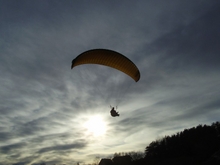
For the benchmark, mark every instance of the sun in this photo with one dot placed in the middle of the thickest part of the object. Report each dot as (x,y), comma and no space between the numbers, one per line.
(95,125)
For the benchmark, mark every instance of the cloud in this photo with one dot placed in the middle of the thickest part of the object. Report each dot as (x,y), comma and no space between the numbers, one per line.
(7,148)
(192,45)
(76,145)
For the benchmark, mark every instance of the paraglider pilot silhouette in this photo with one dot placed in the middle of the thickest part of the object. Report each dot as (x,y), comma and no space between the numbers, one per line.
(113,111)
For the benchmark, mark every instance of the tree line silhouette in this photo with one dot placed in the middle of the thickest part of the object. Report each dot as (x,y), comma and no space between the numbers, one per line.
(197,145)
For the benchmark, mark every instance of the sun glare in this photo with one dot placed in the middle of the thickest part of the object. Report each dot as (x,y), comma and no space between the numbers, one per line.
(95,125)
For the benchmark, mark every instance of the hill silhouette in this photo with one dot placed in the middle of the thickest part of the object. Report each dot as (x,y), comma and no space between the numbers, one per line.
(195,146)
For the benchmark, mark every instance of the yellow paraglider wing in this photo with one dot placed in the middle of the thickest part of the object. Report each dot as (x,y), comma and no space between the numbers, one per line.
(108,58)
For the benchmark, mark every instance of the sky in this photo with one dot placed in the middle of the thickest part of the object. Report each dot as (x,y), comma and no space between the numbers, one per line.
(50,113)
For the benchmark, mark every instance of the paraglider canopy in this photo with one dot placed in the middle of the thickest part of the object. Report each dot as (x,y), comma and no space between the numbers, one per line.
(108,58)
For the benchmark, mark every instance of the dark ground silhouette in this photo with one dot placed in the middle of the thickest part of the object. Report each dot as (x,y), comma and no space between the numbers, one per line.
(195,146)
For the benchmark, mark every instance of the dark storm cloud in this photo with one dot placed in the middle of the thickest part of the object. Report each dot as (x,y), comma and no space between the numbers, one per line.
(195,44)
(43,124)
(20,163)
(25,55)
(175,111)
(131,124)
(202,110)
(5,135)
(32,127)
(76,145)
(40,11)
(7,149)
(7,108)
